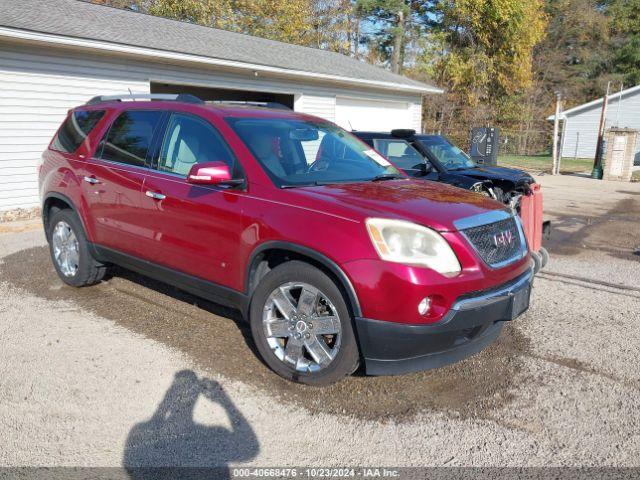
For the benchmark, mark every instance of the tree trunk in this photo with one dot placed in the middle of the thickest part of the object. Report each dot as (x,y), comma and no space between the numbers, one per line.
(398,40)
(356,40)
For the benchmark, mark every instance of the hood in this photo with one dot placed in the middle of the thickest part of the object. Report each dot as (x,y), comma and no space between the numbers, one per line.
(432,204)
(497,173)
(458,180)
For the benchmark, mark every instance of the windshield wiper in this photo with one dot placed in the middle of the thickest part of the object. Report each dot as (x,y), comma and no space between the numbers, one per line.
(386,176)
(299,185)
(321,183)
(317,183)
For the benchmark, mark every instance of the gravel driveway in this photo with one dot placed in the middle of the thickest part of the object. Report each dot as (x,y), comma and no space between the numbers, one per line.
(132,372)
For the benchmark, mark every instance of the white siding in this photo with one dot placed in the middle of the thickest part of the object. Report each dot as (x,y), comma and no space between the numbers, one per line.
(320,106)
(367,114)
(38,86)
(361,113)
(36,91)
(581,128)
(416,116)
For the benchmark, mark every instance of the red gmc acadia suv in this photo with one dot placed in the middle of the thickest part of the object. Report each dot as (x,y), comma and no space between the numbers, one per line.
(333,255)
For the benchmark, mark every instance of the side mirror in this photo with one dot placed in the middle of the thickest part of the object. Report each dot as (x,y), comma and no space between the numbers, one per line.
(211,173)
(423,169)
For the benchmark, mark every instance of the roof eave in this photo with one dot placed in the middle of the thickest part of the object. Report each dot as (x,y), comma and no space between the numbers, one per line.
(597,101)
(47,38)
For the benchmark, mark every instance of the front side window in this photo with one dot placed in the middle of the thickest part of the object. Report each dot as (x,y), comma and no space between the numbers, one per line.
(75,129)
(190,140)
(400,152)
(450,156)
(302,152)
(129,138)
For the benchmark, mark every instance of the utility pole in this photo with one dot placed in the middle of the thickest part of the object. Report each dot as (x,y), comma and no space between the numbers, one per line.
(597,164)
(619,104)
(555,168)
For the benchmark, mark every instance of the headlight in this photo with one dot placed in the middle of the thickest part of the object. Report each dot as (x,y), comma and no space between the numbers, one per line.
(405,242)
(479,188)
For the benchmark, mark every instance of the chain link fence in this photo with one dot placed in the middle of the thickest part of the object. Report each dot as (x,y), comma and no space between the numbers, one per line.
(512,142)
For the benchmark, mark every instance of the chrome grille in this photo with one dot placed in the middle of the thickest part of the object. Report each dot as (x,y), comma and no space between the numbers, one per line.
(497,243)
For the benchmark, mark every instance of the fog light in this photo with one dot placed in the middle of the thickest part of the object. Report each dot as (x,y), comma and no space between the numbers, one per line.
(424,306)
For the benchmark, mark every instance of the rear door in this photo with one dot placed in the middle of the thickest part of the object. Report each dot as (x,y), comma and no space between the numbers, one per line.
(113,181)
(196,228)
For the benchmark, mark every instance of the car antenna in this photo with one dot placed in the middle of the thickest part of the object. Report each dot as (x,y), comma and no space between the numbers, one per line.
(350,126)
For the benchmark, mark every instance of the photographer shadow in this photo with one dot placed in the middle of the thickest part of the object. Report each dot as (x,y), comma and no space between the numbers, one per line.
(172,445)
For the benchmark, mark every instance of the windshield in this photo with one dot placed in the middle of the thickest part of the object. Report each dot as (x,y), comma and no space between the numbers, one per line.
(450,156)
(297,152)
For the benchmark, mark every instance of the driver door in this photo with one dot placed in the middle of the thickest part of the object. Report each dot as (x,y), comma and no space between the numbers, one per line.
(197,227)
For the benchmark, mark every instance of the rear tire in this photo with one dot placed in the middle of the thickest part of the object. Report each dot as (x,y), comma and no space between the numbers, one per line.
(302,327)
(70,251)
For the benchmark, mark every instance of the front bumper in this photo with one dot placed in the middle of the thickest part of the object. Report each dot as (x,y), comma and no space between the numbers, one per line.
(474,322)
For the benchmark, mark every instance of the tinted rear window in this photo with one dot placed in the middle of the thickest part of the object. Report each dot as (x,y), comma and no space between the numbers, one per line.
(129,138)
(75,129)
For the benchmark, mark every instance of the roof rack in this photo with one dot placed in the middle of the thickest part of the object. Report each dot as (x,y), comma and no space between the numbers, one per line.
(273,105)
(182,97)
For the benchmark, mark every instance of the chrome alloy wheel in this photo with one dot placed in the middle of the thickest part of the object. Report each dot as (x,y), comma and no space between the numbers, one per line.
(302,326)
(66,252)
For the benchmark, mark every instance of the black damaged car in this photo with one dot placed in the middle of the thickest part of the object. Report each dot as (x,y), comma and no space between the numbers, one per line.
(433,157)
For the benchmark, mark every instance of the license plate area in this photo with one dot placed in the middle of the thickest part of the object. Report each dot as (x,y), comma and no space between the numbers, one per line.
(520,302)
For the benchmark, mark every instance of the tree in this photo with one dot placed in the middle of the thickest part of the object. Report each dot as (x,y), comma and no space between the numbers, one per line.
(481,51)
(625,32)
(573,57)
(216,13)
(627,61)
(283,20)
(489,44)
(624,15)
(394,22)
(337,26)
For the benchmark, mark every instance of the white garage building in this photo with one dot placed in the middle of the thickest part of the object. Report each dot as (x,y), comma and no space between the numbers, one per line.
(581,123)
(56,54)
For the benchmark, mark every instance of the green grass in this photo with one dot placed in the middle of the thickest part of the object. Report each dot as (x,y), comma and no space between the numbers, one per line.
(635,176)
(542,163)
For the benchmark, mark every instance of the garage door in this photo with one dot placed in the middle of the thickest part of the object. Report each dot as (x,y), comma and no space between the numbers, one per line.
(376,115)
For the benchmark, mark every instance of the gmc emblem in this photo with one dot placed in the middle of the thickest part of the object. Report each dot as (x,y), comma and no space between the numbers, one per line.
(503,239)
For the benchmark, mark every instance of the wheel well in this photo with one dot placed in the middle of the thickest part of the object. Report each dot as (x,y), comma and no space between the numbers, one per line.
(267,260)
(52,205)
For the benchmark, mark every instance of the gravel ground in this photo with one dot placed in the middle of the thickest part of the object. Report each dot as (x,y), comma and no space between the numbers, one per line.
(131,372)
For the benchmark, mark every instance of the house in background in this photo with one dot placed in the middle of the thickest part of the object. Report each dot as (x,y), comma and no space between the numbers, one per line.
(581,123)
(57,54)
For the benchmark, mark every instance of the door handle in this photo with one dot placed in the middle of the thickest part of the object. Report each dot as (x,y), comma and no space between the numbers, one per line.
(155,195)
(91,180)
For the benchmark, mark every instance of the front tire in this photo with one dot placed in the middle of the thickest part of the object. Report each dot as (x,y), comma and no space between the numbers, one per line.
(537,262)
(544,257)
(70,252)
(302,327)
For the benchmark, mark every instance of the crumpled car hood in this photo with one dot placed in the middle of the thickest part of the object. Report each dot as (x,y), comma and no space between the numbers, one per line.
(497,173)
